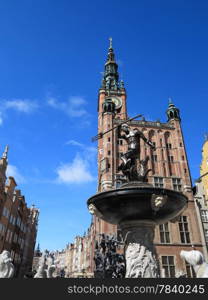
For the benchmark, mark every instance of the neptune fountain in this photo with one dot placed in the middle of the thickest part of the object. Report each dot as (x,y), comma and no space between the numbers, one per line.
(137,207)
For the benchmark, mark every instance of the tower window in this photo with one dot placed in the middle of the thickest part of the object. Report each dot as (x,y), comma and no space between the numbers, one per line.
(6,212)
(109,139)
(15,238)
(185,171)
(171,158)
(169,146)
(164,170)
(181,145)
(162,155)
(176,184)
(204,215)
(183,158)
(164,233)
(206,235)
(154,158)
(120,142)
(168,266)
(2,229)
(109,166)
(9,236)
(158,182)
(184,230)
(109,153)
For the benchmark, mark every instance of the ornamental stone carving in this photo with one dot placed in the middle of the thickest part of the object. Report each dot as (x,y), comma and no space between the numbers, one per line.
(196,259)
(140,253)
(6,265)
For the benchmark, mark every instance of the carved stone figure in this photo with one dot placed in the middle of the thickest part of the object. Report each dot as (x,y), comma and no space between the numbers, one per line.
(120,269)
(93,210)
(41,272)
(108,263)
(158,201)
(196,259)
(47,266)
(6,265)
(132,167)
(99,264)
(140,252)
(51,267)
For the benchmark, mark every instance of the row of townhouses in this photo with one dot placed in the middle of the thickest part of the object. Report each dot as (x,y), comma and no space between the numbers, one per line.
(18,222)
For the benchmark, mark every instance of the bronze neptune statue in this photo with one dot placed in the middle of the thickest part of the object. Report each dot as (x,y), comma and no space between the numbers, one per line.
(132,167)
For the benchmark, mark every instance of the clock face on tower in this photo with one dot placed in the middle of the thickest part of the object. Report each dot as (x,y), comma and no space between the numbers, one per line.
(117,101)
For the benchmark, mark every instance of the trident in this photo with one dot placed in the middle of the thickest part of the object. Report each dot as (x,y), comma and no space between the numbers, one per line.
(101,134)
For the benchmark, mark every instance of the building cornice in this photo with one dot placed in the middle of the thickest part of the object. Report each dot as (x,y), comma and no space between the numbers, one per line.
(148,124)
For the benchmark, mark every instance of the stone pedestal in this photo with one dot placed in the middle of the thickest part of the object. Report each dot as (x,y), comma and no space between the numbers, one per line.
(140,253)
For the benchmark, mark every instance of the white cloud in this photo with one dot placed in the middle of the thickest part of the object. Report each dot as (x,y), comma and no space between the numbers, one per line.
(21,105)
(25,106)
(73,107)
(80,169)
(74,143)
(14,172)
(84,147)
(76,172)
(54,103)
(77,101)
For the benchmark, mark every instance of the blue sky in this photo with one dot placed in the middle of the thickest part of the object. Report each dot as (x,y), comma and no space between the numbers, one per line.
(52,55)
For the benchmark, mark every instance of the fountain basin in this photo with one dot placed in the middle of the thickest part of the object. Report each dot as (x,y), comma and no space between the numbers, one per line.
(133,203)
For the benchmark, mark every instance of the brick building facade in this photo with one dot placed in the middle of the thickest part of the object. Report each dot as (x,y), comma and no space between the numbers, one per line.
(18,223)
(79,257)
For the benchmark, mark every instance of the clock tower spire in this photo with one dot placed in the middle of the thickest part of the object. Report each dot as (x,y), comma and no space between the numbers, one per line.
(111,76)
(112,89)
(110,80)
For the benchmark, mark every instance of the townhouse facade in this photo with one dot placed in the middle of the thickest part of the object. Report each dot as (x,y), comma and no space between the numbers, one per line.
(18,222)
